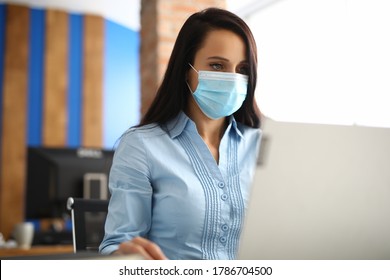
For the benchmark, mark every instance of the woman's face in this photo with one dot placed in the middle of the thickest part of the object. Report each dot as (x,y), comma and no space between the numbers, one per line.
(222,51)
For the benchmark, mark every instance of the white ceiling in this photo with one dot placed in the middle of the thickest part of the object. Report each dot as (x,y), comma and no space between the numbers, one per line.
(124,12)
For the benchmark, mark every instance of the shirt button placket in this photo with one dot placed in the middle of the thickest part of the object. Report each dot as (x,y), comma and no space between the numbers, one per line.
(224,196)
(222,239)
(224,227)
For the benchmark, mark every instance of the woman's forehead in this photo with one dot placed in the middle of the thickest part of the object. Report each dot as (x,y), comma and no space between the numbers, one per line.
(222,43)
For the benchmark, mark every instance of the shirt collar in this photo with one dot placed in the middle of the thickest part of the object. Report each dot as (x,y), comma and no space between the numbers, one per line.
(233,124)
(177,125)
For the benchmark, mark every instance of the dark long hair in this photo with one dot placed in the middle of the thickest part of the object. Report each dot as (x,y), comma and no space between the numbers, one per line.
(172,95)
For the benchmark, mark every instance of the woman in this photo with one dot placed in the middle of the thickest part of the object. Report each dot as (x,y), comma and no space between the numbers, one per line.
(180,180)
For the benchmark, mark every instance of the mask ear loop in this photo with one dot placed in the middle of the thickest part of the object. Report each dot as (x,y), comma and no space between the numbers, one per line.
(193,68)
(187,81)
(189,87)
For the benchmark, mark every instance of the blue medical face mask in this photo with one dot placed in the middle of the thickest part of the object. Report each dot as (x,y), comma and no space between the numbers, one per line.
(220,94)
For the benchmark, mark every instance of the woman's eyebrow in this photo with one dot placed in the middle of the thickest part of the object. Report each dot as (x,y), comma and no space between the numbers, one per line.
(223,58)
(218,57)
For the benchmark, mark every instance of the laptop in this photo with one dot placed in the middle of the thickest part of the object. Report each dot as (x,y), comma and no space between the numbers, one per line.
(321,192)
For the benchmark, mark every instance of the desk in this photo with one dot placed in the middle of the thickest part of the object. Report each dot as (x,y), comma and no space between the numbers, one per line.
(60,252)
(36,250)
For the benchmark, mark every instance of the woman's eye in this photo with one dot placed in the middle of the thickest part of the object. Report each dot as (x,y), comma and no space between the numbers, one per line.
(216,66)
(243,70)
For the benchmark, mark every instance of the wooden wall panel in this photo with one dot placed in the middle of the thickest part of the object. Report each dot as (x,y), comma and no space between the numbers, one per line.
(56,79)
(92,123)
(13,144)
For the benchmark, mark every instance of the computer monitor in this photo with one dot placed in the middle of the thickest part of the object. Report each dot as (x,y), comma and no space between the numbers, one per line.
(54,174)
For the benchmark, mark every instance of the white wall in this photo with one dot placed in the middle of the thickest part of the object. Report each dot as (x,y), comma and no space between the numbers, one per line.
(322,61)
(323,192)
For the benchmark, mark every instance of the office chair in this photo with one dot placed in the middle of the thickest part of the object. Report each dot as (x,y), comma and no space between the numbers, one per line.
(88,218)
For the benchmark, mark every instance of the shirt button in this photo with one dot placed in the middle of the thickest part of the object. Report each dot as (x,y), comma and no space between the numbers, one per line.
(221,184)
(225,227)
(224,196)
(222,239)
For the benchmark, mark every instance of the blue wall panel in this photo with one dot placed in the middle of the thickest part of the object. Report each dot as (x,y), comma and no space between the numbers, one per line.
(35,76)
(121,93)
(75,62)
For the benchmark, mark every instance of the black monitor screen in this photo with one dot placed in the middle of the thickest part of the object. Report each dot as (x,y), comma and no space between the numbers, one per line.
(54,174)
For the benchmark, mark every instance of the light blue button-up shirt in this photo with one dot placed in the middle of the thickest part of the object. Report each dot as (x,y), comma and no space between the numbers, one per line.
(166,186)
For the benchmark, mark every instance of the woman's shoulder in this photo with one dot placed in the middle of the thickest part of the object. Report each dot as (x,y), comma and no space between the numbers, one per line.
(141,136)
(137,139)
(156,130)
(145,131)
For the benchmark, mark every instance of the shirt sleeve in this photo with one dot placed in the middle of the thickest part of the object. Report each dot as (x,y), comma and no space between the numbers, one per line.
(129,211)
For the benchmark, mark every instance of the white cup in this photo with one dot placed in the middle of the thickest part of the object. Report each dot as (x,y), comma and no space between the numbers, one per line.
(24,234)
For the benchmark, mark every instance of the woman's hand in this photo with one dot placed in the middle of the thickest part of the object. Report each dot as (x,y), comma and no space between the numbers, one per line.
(139,245)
